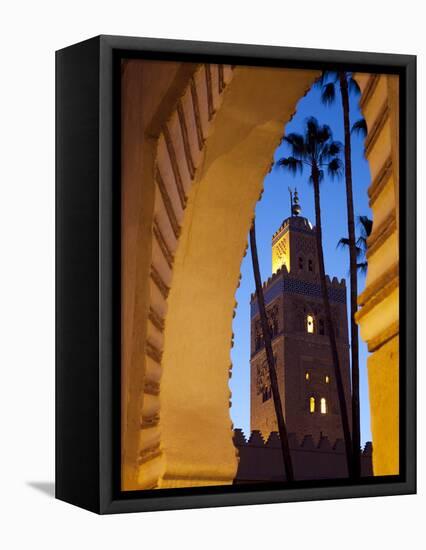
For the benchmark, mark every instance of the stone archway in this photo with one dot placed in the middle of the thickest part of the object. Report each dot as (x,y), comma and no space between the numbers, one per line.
(202,158)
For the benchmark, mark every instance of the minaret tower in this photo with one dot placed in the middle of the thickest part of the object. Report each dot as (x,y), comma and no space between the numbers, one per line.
(300,341)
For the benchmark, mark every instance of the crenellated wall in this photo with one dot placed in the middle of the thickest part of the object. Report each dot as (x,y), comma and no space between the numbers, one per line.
(261,460)
(282,280)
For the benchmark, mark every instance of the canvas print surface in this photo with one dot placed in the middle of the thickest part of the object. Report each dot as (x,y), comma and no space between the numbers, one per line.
(259,275)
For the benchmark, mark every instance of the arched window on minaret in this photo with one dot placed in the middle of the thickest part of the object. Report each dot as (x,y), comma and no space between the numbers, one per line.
(310,324)
(310,265)
(274,321)
(323,405)
(301,263)
(312,404)
(266,393)
(258,342)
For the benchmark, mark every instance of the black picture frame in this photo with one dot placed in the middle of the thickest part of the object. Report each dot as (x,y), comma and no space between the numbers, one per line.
(88,273)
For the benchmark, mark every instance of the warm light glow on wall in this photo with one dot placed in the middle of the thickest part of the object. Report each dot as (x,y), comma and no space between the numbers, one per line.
(327,379)
(312,404)
(310,324)
(323,406)
(307,376)
(281,254)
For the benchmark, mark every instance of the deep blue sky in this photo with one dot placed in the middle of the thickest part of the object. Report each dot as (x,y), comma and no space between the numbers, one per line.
(271,211)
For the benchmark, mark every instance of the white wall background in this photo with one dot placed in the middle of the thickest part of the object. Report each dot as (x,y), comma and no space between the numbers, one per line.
(30,32)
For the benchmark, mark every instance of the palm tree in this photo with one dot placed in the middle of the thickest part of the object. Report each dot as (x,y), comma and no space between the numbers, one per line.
(282,430)
(347,84)
(366,226)
(317,150)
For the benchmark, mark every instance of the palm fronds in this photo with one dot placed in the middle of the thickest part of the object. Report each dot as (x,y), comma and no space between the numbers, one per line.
(366,226)
(360,127)
(328,93)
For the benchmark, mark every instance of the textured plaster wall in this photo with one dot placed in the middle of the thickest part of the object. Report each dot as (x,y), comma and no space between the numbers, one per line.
(379,312)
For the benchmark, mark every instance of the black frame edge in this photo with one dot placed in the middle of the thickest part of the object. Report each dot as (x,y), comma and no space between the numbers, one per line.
(77,289)
(408,244)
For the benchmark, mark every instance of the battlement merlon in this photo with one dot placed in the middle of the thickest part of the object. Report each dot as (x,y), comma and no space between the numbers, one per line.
(308,443)
(281,272)
(335,283)
(337,287)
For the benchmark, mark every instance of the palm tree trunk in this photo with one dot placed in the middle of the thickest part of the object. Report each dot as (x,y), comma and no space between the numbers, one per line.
(330,324)
(282,430)
(356,436)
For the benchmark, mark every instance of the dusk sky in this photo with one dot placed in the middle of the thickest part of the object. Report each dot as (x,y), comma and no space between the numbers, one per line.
(271,211)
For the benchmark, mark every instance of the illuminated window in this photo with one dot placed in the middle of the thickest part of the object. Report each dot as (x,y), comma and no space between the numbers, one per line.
(307,376)
(300,263)
(323,406)
(327,379)
(310,323)
(312,404)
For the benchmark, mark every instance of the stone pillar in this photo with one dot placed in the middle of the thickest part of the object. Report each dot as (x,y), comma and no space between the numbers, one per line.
(378,316)
(149,91)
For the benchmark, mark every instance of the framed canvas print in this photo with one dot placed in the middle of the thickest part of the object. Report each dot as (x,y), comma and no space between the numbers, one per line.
(235,274)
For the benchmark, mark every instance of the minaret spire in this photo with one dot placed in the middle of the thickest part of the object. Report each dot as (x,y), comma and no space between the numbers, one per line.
(295,205)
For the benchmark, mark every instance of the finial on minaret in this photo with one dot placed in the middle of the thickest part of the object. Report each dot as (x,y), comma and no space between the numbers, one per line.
(295,205)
